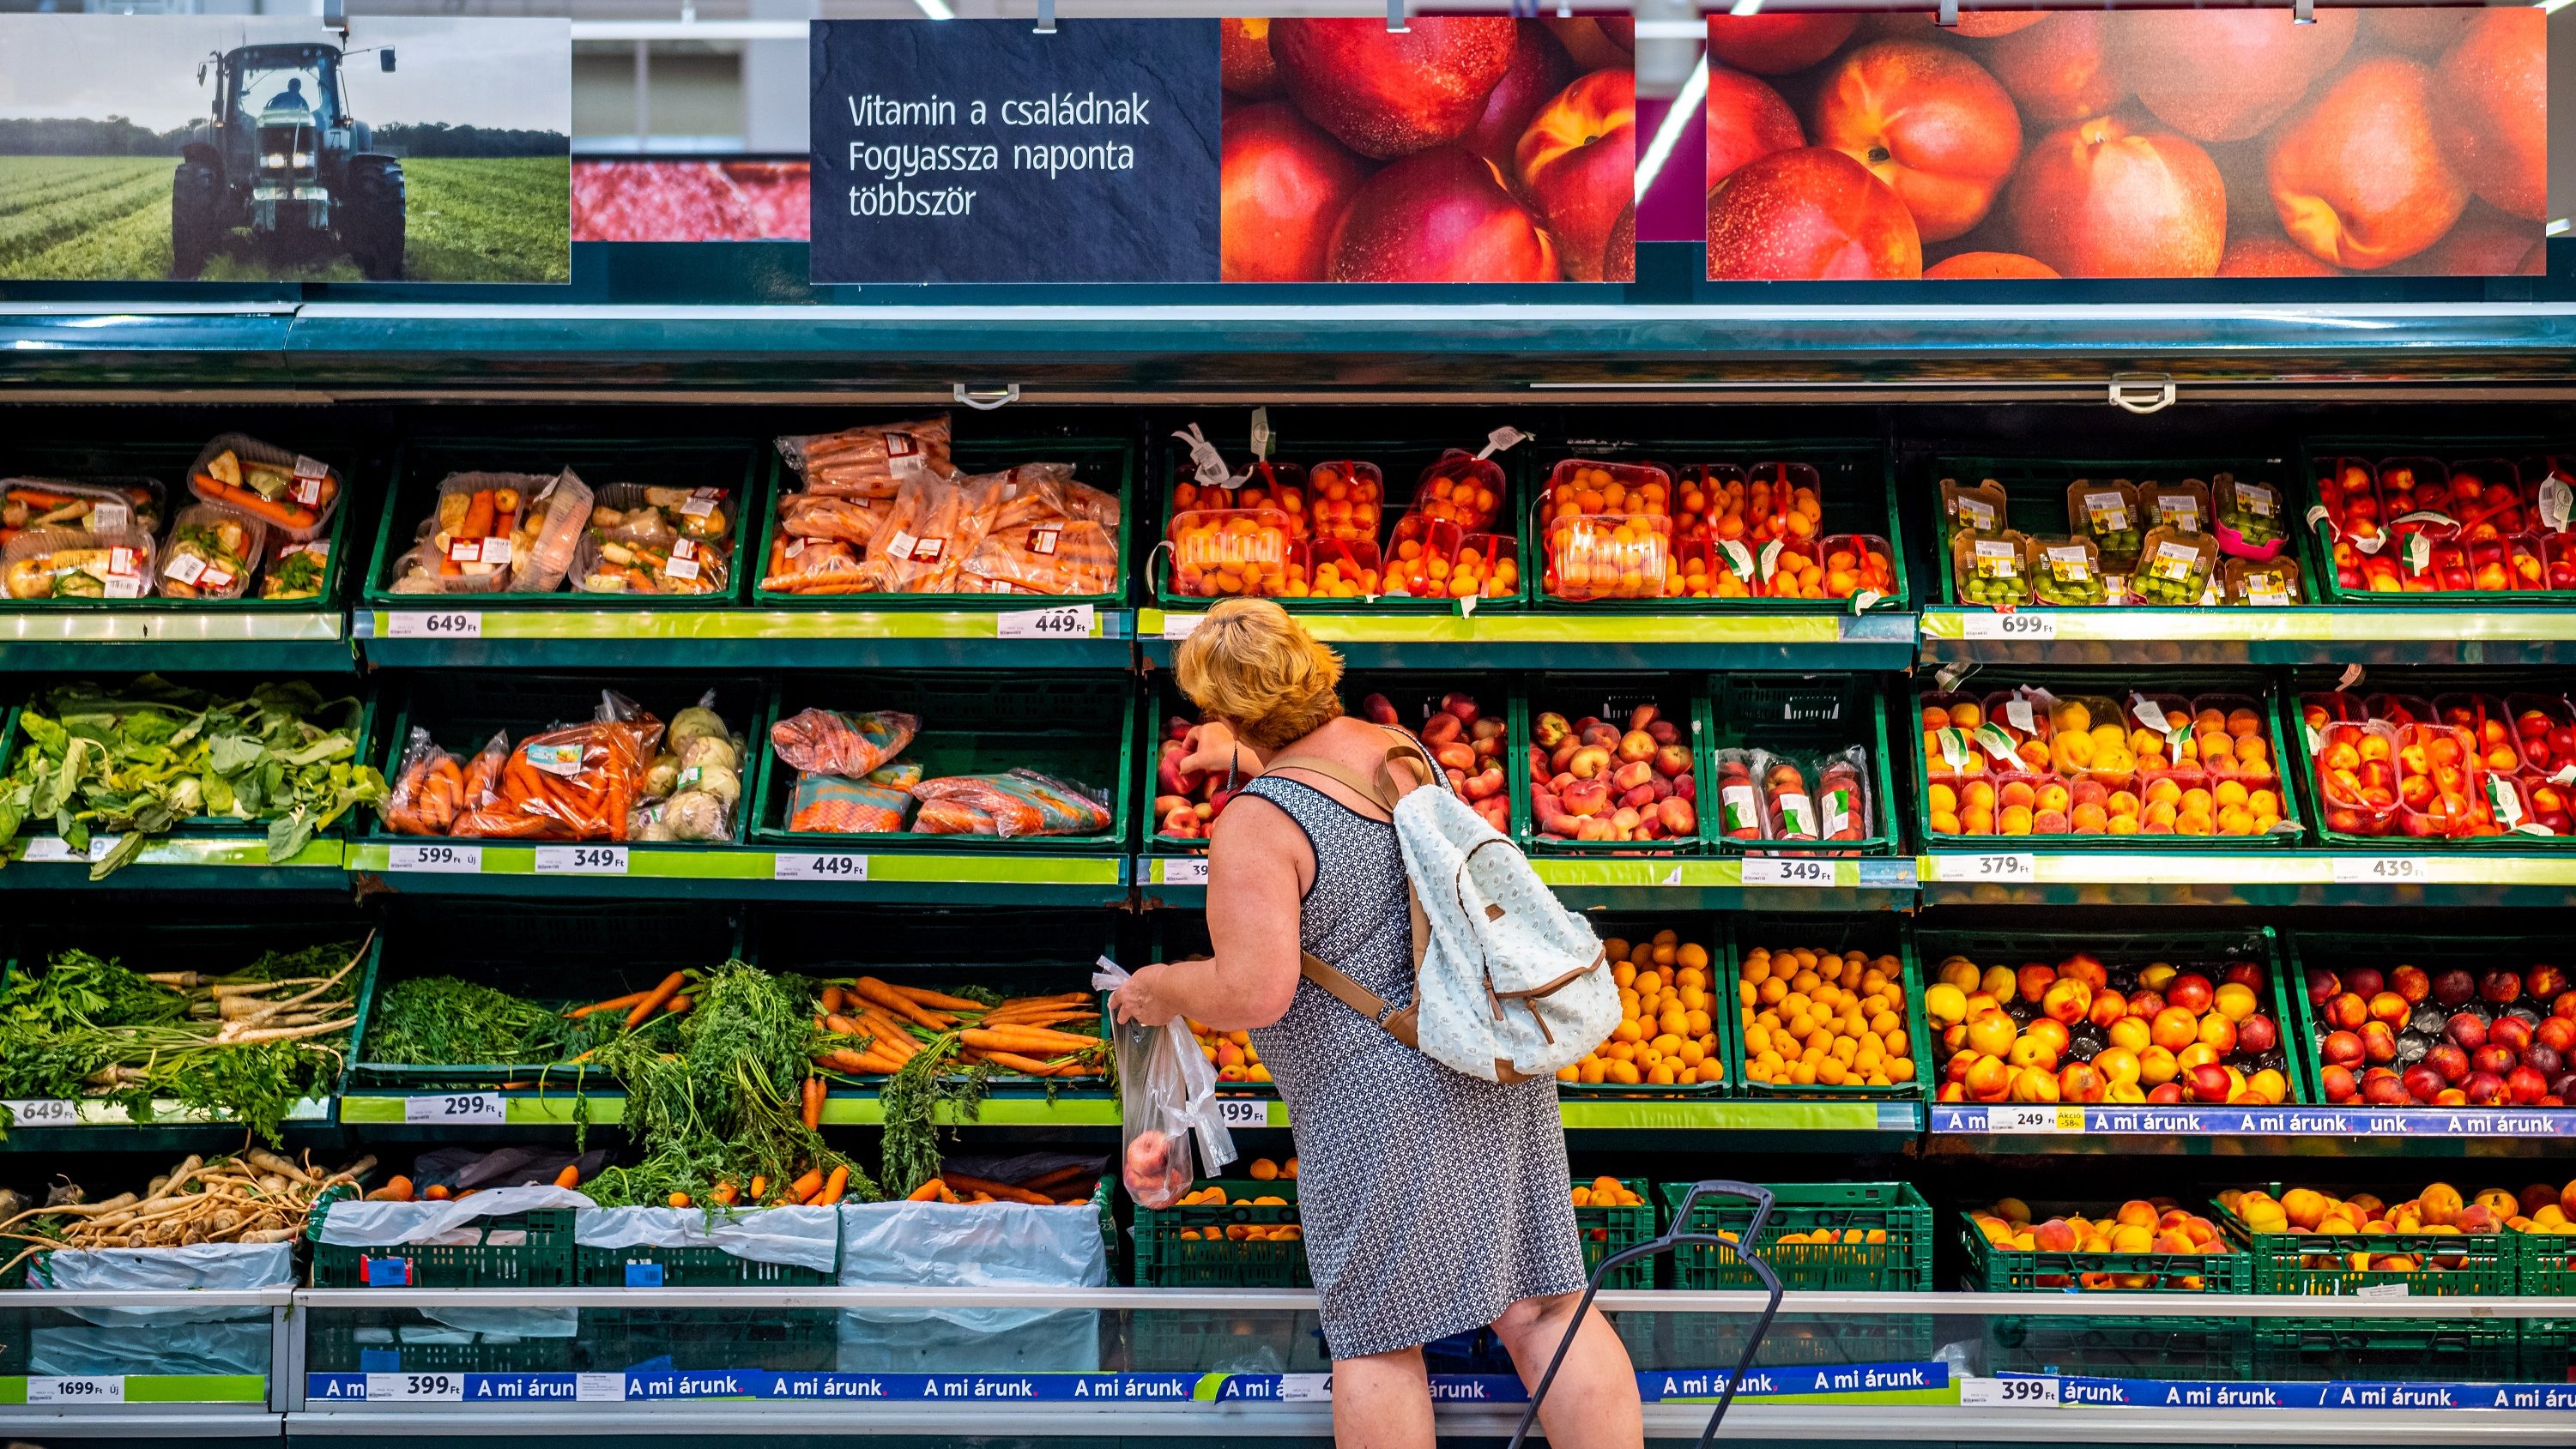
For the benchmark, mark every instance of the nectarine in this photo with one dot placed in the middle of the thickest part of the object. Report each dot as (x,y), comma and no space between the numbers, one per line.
(2357,177)
(1439,216)
(1929,122)
(2492,111)
(1747,121)
(1284,183)
(1777,44)
(1813,214)
(1392,93)
(2100,200)
(2225,75)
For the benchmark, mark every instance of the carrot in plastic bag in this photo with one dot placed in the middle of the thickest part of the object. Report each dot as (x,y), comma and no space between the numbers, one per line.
(846,520)
(812,566)
(1060,556)
(831,805)
(1020,802)
(428,790)
(578,782)
(869,462)
(934,524)
(821,742)
(483,774)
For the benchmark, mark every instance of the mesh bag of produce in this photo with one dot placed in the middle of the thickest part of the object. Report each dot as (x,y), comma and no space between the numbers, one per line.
(822,742)
(830,805)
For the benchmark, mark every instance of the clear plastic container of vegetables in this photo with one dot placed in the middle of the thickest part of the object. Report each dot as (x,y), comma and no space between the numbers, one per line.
(472,539)
(644,540)
(294,494)
(296,570)
(2249,517)
(1991,568)
(73,563)
(2174,567)
(212,553)
(2108,514)
(92,505)
(2066,572)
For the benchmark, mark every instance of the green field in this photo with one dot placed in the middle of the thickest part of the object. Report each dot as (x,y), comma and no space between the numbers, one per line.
(107,218)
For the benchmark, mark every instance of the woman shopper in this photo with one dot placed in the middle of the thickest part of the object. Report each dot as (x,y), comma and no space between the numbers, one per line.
(1433,1203)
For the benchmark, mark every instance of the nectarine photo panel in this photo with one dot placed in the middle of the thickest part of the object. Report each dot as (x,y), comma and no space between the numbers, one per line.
(1463,149)
(2031,145)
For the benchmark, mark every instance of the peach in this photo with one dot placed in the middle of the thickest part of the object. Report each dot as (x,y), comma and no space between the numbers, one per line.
(2059,71)
(2225,75)
(1577,163)
(1777,44)
(2270,255)
(1440,216)
(1538,70)
(1813,214)
(1283,185)
(2054,1236)
(1392,93)
(1747,121)
(2493,113)
(1244,65)
(2100,200)
(1929,122)
(1990,267)
(2357,177)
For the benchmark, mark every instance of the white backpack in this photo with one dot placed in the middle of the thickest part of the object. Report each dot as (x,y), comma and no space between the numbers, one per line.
(1508,985)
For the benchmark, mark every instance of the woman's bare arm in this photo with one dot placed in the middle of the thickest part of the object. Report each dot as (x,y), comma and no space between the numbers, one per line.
(1255,885)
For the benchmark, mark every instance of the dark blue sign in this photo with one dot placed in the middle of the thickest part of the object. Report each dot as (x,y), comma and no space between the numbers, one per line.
(981,151)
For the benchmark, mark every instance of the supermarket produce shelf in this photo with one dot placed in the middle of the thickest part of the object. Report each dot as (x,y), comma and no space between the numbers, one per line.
(2250,878)
(315,642)
(1068,637)
(1491,639)
(2216,1131)
(2462,634)
(230,863)
(743,873)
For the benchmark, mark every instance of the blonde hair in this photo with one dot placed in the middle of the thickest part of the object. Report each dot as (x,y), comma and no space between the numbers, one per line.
(1250,663)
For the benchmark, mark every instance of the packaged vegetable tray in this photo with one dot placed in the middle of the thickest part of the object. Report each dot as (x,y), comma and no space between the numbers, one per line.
(91,505)
(212,553)
(69,563)
(291,492)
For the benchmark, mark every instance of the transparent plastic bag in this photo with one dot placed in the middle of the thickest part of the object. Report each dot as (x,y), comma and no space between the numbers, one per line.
(825,742)
(73,563)
(297,570)
(815,515)
(934,525)
(428,789)
(1166,1095)
(292,493)
(830,805)
(471,540)
(212,553)
(813,566)
(577,782)
(694,788)
(644,540)
(96,505)
(549,532)
(869,462)
(1021,802)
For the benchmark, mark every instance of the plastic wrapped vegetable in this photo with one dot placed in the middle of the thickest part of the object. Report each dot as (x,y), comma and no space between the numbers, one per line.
(2067,572)
(645,540)
(934,524)
(211,554)
(428,790)
(290,492)
(847,520)
(1972,508)
(100,505)
(1018,803)
(821,742)
(812,566)
(579,782)
(2174,567)
(298,571)
(704,783)
(2108,514)
(830,805)
(71,563)
(1991,569)
(1167,1094)
(869,462)
(550,531)
(2182,506)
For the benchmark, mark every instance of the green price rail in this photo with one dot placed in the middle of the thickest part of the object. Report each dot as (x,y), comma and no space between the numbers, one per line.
(741,873)
(2456,632)
(315,641)
(463,636)
(1500,639)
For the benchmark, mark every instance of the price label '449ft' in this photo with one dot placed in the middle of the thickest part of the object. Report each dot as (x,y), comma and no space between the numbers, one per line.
(1065,621)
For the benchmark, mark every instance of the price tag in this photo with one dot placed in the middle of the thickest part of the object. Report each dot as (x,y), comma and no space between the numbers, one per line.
(44,1112)
(447,624)
(2025,1393)
(581,860)
(599,1388)
(1190,871)
(416,1388)
(2015,869)
(2380,1290)
(457,1109)
(435,859)
(1236,1112)
(1181,626)
(2379,870)
(2025,1118)
(54,850)
(2022,624)
(1066,621)
(86,1389)
(818,867)
(1305,1388)
(1788,872)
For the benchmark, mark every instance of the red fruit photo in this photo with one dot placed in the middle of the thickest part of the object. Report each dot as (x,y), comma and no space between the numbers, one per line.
(2128,143)
(1462,149)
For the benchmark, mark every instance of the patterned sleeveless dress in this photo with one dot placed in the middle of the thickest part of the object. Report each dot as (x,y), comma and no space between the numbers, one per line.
(1431,1200)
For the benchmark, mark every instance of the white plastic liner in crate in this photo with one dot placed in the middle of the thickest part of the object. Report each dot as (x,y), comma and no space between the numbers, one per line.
(175,1340)
(356,1223)
(971,1245)
(803,1237)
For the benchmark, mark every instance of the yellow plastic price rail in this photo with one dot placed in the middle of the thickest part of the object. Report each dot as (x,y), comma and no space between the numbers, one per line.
(2254,625)
(630,625)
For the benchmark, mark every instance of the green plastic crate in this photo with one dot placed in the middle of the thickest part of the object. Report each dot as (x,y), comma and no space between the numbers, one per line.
(1806,717)
(2426,684)
(2035,501)
(2212,1348)
(1858,495)
(1681,698)
(1883,933)
(1608,1230)
(2116,685)
(1901,1264)
(519,947)
(370,1340)
(2294,1349)
(1076,727)
(1165,1259)
(1996,1269)
(542,1258)
(1105,463)
(2545,1267)
(2347,950)
(1402,463)
(2121,953)
(2488,1268)
(2528,454)
(421,462)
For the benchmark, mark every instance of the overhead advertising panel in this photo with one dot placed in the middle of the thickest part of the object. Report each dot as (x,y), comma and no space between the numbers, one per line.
(2131,143)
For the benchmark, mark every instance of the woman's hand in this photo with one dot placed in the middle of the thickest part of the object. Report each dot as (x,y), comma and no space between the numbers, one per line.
(1212,749)
(1141,1001)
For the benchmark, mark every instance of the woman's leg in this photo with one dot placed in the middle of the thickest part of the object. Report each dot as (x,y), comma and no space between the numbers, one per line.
(1593,1403)
(1382,1401)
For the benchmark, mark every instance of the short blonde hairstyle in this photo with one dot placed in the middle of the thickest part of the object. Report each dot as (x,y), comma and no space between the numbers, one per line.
(1250,663)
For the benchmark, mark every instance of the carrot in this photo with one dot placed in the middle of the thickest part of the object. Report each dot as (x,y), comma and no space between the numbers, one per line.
(857,1063)
(654,998)
(724,1194)
(569,1177)
(436,1192)
(478,515)
(614,1003)
(1001,1190)
(1036,1040)
(834,1186)
(293,515)
(947,1193)
(831,1000)
(1018,1063)
(901,1005)
(813,1103)
(889,1037)
(679,1199)
(396,1189)
(1045,1180)
(1042,1019)
(680,1005)
(924,996)
(927,1192)
(806,1186)
(1061,998)
(759,1188)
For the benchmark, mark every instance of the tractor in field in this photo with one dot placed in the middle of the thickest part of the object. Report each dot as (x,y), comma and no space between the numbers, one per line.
(280,155)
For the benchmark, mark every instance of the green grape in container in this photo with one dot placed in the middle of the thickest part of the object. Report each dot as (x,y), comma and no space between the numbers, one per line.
(2262,583)
(2107,513)
(2249,515)
(1991,568)
(2174,567)
(2183,505)
(1972,508)
(2066,573)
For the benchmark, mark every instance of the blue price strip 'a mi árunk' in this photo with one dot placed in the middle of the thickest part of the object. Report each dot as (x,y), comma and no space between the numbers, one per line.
(2069,1391)
(2451,1123)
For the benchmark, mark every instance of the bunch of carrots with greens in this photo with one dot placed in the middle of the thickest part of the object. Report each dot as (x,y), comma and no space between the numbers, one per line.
(870,1028)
